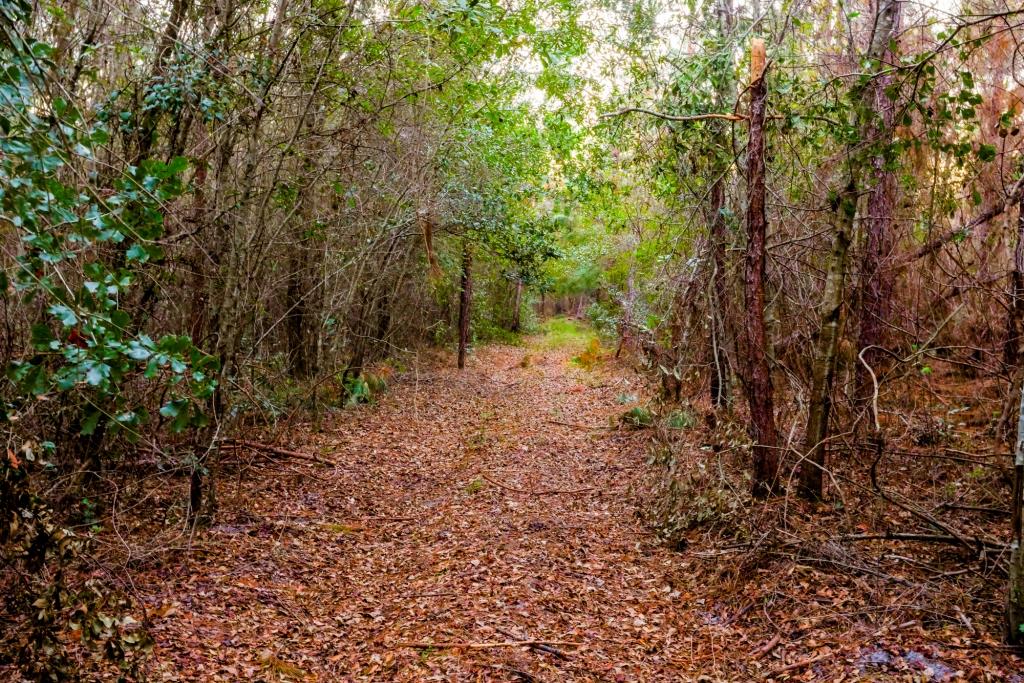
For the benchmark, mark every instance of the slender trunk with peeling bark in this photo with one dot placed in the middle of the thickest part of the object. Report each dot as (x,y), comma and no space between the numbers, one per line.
(875,283)
(465,301)
(725,93)
(826,348)
(876,276)
(720,372)
(759,378)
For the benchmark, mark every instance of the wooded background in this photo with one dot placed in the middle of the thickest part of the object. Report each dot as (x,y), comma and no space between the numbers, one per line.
(802,218)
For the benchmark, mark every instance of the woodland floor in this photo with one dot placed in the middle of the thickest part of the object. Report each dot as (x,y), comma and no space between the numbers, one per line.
(471,510)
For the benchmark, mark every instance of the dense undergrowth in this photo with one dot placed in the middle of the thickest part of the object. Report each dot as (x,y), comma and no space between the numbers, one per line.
(222,223)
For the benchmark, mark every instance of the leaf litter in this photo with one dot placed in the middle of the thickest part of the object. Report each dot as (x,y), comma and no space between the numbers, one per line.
(483,526)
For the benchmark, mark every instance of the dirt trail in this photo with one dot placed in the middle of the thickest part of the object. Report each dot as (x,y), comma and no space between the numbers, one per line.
(475,508)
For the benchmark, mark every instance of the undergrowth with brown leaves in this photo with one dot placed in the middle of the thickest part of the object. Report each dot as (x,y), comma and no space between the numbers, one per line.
(511,523)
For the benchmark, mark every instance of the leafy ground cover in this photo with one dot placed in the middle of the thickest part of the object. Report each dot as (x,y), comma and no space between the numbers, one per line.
(483,526)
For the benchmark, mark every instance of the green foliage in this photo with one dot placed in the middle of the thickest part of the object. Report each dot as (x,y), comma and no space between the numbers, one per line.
(637,417)
(604,321)
(363,388)
(680,419)
(560,332)
(87,233)
(357,391)
(491,331)
(88,346)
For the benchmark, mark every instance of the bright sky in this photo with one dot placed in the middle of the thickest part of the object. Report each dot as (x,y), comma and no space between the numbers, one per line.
(602,67)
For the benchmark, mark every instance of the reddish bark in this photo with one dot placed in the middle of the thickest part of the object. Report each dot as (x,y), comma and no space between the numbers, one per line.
(759,379)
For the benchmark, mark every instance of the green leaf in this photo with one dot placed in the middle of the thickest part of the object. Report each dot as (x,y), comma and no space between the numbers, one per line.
(987,152)
(42,337)
(177,165)
(90,421)
(172,409)
(64,314)
(97,374)
(138,351)
(137,252)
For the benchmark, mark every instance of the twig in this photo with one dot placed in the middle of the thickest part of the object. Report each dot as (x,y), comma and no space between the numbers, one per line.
(266,448)
(577,425)
(976,508)
(672,117)
(798,665)
(453,645)
(926,538)
(766,648)
(543,648)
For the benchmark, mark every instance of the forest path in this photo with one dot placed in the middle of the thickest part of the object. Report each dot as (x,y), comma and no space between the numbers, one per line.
(482,506)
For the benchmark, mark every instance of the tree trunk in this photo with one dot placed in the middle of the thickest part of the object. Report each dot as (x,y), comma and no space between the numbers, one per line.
(725,93)
(825,353)
(465,302)
(299,332)
(1013,351)
(759,378)
(720,374)
(1015,596)
(876,288)
(516,305)
(876,277)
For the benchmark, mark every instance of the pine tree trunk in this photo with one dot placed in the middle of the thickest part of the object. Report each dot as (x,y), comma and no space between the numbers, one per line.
(1013,351)
(759,378)
(465,302)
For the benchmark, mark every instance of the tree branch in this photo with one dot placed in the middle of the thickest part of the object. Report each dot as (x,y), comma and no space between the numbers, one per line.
(672,117)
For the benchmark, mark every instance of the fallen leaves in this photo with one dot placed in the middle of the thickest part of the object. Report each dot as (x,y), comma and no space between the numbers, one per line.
(476,526)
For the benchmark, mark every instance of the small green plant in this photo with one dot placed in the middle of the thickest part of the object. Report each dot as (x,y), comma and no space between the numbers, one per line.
(680,419)
(637,417)
(475,486)
(357,391)
(89,515)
